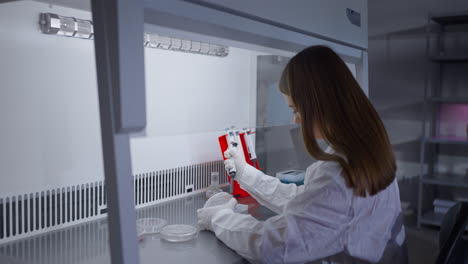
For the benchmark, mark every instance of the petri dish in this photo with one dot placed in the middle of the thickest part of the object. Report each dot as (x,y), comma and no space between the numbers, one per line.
(179,233)
(218,199)
(150,225)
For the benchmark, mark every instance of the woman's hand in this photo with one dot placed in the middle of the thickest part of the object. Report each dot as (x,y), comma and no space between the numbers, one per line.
(236,160)
(206,215)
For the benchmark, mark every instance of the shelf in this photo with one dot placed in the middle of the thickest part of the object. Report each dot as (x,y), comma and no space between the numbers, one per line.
(444,111)
(452,180)
(447,140)
(450,59)
(452,19)
(448,100)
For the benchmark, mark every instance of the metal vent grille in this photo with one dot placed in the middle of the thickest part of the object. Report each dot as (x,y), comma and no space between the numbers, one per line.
(34,213)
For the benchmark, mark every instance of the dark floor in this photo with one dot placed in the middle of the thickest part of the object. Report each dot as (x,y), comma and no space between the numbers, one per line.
(423,243)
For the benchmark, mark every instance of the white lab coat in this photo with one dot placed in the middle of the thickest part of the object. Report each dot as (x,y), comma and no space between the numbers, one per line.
(321,220)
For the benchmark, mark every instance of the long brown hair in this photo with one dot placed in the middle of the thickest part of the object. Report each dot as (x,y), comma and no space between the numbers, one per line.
(327,96)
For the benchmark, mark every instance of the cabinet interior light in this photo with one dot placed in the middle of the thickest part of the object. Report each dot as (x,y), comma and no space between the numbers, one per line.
(54,24)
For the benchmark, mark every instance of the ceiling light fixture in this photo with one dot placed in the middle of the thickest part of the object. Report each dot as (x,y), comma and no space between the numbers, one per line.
(54,24)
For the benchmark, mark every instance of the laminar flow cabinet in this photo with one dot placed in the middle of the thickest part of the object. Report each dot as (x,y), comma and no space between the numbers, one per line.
(148,124)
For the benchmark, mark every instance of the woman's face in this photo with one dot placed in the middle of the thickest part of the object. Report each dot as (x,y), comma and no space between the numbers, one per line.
(297,117)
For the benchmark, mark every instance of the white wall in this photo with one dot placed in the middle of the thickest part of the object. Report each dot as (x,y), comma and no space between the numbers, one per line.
(189,93)
(49,105)
(190,100)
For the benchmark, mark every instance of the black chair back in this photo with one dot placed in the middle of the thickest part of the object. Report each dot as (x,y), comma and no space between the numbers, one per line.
(453,248)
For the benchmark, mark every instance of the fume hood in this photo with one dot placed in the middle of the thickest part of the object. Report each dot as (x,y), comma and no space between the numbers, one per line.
(177,74)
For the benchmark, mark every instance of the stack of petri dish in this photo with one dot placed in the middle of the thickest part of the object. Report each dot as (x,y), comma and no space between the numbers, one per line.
(179,233)
(150,226)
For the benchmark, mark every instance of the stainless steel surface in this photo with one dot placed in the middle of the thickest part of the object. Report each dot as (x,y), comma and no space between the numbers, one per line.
(88,243)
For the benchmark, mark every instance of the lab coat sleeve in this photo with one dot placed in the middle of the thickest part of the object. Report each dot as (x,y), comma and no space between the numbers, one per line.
(306,231)
(268,191)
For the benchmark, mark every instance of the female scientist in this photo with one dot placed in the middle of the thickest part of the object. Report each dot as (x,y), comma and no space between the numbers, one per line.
(348,210)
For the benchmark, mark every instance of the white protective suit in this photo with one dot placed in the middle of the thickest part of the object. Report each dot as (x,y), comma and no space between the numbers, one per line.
(321,221)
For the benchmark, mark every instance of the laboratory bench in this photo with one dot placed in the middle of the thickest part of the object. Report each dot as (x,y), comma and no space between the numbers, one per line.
(88,243)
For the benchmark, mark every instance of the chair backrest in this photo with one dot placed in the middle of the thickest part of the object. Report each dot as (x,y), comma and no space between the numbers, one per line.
(451,244)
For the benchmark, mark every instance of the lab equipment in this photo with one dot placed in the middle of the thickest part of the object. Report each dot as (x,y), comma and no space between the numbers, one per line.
(325,219)
(66,26)
(251,147)
(182,12)
(150,225)
(232,142)
(229,141)
(213,188)
(242,139)
(240,144)
(214,178)
(179,233)
(291,176)
(248,149)
(212,191)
